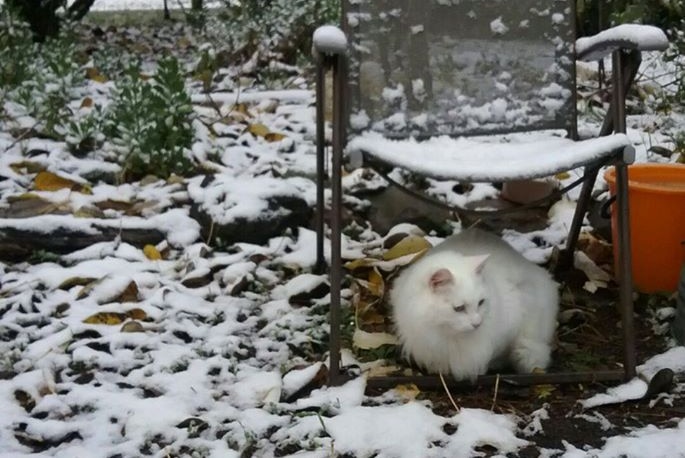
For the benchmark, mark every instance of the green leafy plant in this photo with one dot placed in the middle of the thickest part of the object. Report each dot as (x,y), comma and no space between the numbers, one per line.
(151,121)
(16,49)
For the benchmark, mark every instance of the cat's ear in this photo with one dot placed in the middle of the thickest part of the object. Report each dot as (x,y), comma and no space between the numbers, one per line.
(479,262)
(440,279)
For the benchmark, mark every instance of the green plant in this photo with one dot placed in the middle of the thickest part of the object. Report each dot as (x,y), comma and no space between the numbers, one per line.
(45,16)
(275,29)
(16,49)
(151,121)
(41,78)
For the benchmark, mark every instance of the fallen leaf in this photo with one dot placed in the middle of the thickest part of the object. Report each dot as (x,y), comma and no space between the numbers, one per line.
(597,278)
(94,74)
(107,318)
(137,314)
(376,283)
(87,103)
(27,167)
(75,281)
(412,244)
(369,340)
(129,294)
(562,176)
(407,391)
(542,391)
(274,137)
(152,253)
(132,326)
(360,263)
(258,130)
(48,181)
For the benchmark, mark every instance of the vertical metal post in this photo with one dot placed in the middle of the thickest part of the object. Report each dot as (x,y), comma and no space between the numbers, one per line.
(320,265)
(566,260)
(339,71)
(625,259)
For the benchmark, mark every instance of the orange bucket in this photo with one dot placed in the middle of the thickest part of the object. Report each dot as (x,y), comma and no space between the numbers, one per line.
(656,195)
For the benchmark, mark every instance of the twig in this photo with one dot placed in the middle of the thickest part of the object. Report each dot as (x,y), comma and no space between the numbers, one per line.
(21,136)
(449,395)
(494,396)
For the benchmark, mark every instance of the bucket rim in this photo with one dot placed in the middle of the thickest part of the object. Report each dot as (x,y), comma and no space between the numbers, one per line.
(610,177)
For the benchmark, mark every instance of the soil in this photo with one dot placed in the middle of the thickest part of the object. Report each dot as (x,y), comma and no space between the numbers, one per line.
(589,338)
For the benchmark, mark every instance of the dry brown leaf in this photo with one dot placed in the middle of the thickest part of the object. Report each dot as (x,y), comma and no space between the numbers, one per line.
(27,167)
(274,137)
(152,253)
(413,244)
(132,326)
(75,281)
(87,103)
(129,294)
(370,340)
(137,314)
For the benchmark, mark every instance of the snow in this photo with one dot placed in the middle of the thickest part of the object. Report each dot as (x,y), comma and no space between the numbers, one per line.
(631,36)
(230,359)
(329,39)
(524,156)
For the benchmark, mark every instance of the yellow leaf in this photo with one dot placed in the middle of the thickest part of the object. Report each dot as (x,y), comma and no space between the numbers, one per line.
(376,283)
(48,181)
(412,244)
(258,130)
(407,392)
(108,318)
(94,74)
(152,253)
(544,391)
(274,137)
(242,109)
(87,103)
(359,263)
(562,175)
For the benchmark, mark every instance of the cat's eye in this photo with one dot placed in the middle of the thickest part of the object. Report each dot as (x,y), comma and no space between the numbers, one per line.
(481,302)
(458,308)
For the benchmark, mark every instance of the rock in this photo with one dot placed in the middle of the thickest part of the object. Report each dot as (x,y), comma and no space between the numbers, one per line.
(257,231)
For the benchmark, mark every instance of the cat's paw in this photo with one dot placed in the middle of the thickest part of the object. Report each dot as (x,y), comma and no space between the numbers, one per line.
(528,357)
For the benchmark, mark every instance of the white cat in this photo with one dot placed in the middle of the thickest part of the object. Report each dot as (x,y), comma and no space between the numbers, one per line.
(474,303)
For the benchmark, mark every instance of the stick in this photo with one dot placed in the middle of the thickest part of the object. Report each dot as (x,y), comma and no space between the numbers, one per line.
(449,395)
(494,397)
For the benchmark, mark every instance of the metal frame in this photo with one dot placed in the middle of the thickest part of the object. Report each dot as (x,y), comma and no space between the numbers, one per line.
(625,65)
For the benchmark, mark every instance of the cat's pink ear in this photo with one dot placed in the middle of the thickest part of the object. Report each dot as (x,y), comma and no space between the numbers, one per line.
(479,262)
(440,279)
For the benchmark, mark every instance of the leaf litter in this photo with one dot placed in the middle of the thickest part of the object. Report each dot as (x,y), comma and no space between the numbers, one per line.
(107,349)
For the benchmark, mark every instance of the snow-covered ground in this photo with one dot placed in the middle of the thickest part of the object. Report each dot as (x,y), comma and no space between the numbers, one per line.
(186,350)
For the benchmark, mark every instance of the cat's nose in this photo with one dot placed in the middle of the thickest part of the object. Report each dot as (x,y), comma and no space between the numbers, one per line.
(476,321)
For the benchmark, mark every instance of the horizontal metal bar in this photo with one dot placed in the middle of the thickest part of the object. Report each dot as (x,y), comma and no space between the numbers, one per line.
(432,382)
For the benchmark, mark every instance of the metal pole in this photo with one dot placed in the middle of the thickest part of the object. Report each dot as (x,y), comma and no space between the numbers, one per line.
(625,261)
(320,160)
(336,223)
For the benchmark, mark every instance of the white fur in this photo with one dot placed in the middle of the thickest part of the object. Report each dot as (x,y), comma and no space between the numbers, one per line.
(514,326)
